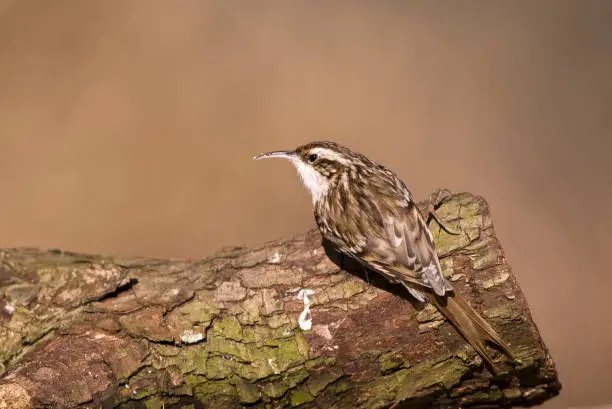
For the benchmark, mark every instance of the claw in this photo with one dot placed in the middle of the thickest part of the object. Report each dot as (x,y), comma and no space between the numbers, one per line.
(441,195)
(435,201)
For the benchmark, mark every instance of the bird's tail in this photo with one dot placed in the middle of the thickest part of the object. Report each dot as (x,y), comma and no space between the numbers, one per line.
(472,326)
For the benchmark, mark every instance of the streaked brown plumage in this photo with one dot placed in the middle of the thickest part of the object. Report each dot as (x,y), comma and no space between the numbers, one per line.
(367,213)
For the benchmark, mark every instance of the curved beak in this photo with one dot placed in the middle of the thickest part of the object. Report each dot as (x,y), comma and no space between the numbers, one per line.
(275,154)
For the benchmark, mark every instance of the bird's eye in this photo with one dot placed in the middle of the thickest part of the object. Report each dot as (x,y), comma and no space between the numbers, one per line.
(312,157)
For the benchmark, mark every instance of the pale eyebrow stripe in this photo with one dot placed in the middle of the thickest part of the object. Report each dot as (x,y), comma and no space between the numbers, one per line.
(329,154)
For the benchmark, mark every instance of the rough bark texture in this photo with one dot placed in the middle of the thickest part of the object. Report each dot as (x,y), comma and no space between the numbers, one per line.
(90,331)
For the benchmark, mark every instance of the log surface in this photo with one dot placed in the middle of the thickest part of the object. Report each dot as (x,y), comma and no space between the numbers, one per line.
(89,331)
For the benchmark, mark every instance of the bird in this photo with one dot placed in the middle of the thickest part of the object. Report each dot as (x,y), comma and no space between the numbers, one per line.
(366,212)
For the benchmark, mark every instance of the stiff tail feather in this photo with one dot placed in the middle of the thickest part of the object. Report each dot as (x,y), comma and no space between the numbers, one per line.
(472,326)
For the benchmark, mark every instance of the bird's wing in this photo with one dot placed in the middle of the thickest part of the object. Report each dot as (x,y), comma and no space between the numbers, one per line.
(404,250)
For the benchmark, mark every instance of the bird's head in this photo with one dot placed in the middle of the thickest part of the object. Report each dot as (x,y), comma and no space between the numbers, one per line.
(318,164)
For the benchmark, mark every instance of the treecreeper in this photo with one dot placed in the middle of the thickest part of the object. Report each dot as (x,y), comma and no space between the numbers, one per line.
(366,212)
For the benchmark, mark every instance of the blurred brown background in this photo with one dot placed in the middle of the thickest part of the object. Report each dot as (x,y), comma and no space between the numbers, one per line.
(128,128)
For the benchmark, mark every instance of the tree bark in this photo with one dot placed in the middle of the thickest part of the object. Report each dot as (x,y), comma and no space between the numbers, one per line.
(90,331)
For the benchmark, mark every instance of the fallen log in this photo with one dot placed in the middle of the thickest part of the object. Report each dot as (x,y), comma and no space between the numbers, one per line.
(229,331)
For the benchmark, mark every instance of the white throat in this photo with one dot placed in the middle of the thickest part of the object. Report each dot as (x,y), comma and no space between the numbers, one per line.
(316,183)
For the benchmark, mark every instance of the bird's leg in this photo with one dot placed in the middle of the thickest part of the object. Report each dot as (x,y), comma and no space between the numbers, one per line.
(435,201)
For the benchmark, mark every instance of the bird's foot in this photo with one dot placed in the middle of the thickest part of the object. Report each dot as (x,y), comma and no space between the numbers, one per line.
(435,201)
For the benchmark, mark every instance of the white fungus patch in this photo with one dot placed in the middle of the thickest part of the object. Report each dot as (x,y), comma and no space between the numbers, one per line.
(275,258)
(9,308)
(191,337)
(331,348)
(273,365)
(305,318)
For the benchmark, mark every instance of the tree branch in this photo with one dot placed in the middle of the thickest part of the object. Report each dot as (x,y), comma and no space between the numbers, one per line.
(89,331)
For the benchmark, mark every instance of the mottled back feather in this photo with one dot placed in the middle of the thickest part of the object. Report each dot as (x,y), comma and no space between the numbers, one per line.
(370,216)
